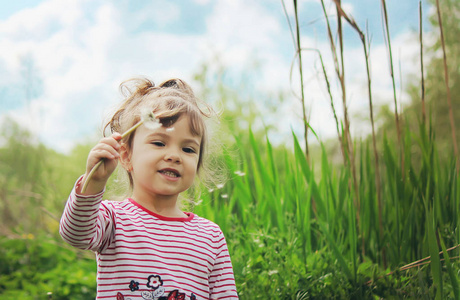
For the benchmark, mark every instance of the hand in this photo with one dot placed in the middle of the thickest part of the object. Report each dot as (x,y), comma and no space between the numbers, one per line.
(104,157)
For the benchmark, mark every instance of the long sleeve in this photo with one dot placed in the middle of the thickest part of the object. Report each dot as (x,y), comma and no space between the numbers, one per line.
(87,223)
(222,281)
(138,251)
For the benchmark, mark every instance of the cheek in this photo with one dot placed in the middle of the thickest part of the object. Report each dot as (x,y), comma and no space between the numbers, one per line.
(193,164)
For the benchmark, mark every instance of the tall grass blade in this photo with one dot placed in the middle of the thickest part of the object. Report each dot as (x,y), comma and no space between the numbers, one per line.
(434,252)
(337,253)
(307,172)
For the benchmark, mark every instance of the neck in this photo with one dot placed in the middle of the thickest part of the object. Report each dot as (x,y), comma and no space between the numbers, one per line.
(164,206)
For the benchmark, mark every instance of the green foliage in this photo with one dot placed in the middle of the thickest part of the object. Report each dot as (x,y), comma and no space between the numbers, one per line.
(290,233)
(296,229)
(34,181)
(32,266)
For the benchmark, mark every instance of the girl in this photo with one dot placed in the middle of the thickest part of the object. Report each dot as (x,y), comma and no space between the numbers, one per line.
(146,247)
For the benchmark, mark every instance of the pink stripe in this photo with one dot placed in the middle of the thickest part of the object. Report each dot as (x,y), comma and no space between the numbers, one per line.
(158,267)
(170,272)
(156,249)
(203,234)
(153,239)
(157,261)
(197,262)
(172,238)
(137,219)
(70,218)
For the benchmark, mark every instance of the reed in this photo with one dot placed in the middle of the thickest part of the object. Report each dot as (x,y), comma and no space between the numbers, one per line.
(422,73)
(284,200)
(446,80)
(302,87)
(390,62)
(271,205)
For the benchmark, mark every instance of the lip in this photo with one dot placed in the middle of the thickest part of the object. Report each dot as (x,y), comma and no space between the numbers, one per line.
(170,170)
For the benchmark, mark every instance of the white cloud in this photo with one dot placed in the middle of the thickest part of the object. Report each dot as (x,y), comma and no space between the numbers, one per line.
(238,29)
(70,55)
(83,49)
(202,2)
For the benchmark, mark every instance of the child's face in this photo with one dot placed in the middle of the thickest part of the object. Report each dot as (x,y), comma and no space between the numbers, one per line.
(164,161)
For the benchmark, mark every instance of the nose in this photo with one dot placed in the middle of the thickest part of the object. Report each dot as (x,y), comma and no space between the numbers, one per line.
(172,155)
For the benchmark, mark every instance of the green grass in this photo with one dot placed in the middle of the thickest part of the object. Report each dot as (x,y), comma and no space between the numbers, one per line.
(293,228)
(283,212)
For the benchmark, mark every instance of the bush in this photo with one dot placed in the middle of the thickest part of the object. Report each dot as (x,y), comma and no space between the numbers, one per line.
(31,267)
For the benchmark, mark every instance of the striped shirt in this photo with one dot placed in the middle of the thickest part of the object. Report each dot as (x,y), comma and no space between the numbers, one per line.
(142,255)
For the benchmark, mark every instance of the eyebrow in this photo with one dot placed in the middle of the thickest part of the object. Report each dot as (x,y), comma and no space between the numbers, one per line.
(163,135)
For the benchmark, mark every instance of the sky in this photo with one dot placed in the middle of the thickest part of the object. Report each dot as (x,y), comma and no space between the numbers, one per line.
(61,62)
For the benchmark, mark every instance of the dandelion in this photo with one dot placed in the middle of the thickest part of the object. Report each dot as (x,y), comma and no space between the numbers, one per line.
(147,118)
(220,185)
(240,173)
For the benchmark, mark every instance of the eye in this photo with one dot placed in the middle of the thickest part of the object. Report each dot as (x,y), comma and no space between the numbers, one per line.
(189,150)
(158,143)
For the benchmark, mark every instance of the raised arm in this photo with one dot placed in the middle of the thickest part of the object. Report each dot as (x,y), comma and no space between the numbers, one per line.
(87,222)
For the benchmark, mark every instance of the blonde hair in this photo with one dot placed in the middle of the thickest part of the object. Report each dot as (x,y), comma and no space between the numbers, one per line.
(168,101)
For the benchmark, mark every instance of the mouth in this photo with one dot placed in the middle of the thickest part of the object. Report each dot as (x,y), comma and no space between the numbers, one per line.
(170,173)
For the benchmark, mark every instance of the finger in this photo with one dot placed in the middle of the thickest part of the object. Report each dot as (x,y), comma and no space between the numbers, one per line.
(111,141)
(103,150)
(116,136)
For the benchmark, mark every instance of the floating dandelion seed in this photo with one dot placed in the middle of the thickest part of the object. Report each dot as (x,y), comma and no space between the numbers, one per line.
(147,118)
(272,272)
(211,190)
(240,173)
(224,196)
(170,129)
(220,185)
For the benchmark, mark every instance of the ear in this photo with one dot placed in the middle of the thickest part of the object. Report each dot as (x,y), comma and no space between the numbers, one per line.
(125,157)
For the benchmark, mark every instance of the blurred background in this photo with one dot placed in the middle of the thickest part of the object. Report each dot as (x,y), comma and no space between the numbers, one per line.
(338,136)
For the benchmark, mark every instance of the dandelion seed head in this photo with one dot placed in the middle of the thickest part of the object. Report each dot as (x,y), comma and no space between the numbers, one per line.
(149,119)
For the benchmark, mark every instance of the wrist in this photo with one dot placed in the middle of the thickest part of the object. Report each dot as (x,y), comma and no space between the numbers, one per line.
(93,187)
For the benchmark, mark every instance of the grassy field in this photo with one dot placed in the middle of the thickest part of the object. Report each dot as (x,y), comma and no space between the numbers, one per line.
(379,222)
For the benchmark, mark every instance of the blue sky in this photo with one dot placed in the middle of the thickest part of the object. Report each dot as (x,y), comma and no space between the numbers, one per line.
(61,61)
